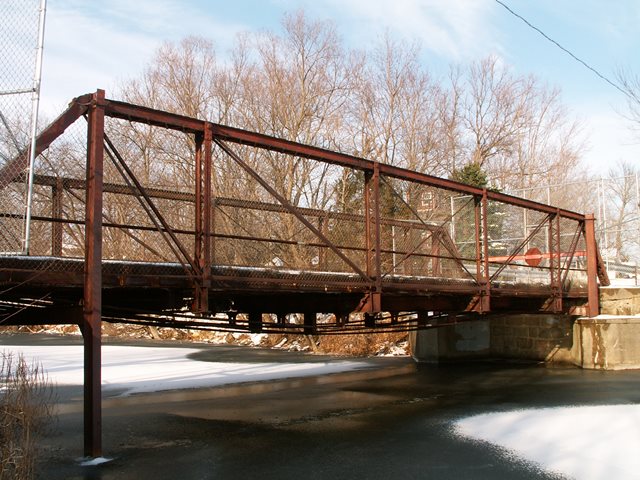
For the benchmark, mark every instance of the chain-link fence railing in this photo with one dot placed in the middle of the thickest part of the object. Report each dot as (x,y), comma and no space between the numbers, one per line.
(615,202)
(20,46)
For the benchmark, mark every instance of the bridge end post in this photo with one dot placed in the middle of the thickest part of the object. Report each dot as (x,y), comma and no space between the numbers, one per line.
(92,311)
(203,212)
(593,305)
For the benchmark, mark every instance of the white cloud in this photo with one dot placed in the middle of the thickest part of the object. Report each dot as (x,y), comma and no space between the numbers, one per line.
(82,54)
(95,46)
(458,30)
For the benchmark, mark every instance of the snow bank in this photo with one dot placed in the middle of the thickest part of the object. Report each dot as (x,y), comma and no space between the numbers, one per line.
(150,369)
(586,443)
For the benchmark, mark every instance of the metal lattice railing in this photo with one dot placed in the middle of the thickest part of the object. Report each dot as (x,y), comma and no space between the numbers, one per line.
(616,203)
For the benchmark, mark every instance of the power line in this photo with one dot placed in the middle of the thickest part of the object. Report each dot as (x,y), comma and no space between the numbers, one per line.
(585,64)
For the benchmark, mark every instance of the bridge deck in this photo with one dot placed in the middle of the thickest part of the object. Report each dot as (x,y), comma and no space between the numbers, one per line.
(166,287)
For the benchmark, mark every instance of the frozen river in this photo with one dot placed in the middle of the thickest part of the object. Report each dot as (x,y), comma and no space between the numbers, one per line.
(322,417)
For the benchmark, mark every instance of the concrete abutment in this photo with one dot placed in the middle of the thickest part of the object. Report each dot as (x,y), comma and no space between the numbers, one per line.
(610,341)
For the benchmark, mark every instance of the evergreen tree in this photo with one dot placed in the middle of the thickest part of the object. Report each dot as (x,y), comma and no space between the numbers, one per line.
(471,174)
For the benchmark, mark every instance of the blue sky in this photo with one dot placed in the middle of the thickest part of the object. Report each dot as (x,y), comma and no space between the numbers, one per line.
(91,45)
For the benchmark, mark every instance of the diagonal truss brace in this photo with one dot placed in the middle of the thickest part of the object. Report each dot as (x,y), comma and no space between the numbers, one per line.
(291,209)
(152,211)
(454,255)
(16,167)
(519,248)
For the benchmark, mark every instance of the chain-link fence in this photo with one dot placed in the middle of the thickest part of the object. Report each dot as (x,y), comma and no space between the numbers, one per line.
(20,45)
(615,201)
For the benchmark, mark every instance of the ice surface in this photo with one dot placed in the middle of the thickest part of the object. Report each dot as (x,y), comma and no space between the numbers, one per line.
(92,462)
(149,369)
(586,443)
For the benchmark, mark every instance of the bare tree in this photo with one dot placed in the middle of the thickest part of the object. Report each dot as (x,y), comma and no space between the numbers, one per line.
(450,109)
(395,119)
(518,129)
(302,85)
(630,84)
(624,205)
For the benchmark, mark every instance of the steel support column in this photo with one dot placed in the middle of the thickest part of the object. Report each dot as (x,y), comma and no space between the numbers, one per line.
(255,322)
(555,269)
(373,244)
(202,254)
(92,312)
(310,321)
(485,305)
(481,303)
(592,266)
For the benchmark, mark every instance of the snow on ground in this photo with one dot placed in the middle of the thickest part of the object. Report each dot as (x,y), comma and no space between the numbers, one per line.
(150,369)
(92,462)
(585,443)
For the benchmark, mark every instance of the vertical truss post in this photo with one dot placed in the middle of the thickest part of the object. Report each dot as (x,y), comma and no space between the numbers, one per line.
(212,237)
(92,313)
(373,244)
(483,302)
(322,251)
(477,210)
(367,225)
(376,217)
(555,271)
(436,240)
(593,305)
(197,243)
(485,240)
(56,214)
(202,244)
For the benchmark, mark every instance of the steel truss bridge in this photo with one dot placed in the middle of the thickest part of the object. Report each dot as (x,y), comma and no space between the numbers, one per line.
(150,217)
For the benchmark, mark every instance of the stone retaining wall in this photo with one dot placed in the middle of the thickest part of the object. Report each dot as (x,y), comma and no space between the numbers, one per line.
(532,337)
(620,300)
(610,341)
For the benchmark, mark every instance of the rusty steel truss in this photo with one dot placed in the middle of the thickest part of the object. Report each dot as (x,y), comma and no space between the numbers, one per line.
(244,253)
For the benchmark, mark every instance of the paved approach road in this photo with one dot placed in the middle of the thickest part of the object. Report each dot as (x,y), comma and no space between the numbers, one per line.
(393,421)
